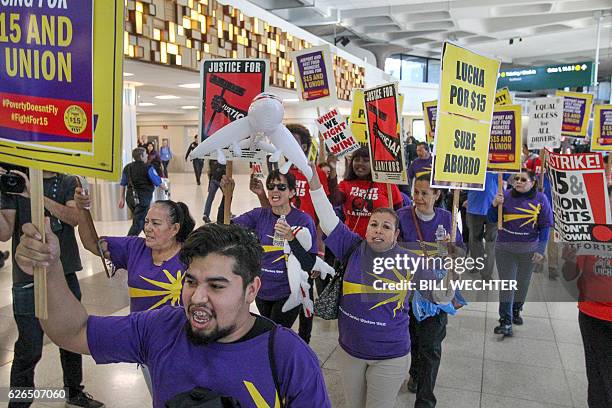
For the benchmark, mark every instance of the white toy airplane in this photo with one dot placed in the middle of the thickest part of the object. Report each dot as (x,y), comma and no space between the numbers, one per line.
(264,119)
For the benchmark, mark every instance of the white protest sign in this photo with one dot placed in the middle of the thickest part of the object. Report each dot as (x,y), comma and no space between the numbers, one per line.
(545,121)
(580,202)
(337,134)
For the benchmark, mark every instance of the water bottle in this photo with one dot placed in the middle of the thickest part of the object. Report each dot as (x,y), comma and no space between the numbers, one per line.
(279,240)
(441,242)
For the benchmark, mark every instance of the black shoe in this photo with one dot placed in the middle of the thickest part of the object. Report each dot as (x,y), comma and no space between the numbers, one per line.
(504,328)
(83,399)
(206,219)
(516,318)
(412,385)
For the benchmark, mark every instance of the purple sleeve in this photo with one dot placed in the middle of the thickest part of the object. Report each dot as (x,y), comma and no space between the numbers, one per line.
(119,248)
(301,380)
(248,219)
(115,339)
(341,240)
(545,219)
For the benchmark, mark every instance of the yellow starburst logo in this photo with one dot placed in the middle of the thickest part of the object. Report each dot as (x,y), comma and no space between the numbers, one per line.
(171,290)
(397,295)
(272,248)
(258,399)
(424,171)
(529,214)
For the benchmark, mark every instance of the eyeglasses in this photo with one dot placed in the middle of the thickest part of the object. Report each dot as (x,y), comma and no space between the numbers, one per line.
(522,179)
(280,187)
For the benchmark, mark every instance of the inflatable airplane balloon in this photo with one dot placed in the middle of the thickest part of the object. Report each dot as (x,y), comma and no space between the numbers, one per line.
(298,278)
(264,119)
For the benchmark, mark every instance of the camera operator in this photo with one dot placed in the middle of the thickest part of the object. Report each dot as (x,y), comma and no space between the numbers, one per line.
(14,213)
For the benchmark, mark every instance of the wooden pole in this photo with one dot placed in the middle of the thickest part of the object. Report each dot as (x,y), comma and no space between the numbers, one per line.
(37,197)
(608,168)
(500,209)
(541,175)
(390,195)
(453,232)
(228,194)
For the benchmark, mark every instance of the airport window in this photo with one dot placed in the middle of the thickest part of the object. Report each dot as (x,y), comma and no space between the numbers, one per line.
(413,69)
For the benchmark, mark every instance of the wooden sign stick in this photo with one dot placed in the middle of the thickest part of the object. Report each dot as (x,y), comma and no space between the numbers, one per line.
(228,195)
(37,205)
(541,175)
(608,168)
(390,195)
(500,210)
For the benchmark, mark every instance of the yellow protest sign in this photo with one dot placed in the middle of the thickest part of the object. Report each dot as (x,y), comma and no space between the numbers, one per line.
(467,84)
(69,122)
(359,127)
(601,140)
(576,113)
(505,144)
(465,149)
(430,115)
(465,110)
(503,97)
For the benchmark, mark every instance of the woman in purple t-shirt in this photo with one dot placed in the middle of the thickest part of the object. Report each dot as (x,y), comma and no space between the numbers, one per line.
(521,243)
(372,318)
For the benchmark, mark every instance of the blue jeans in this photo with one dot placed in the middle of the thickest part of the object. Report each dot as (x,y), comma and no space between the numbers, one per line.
(513,266)
(213,186)
(29,344)
(139,211)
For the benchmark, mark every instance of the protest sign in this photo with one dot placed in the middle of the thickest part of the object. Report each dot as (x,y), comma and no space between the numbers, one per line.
(503,97)
(386,150)
(601,140)
(580,202)
(336,133)
(467,95)
(54,114)
(545,119)
(314,71)
(227,88)
(505,144)
(359,125)
(430,113)
(576,113)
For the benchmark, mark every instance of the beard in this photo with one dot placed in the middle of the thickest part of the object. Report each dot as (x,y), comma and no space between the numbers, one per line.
(201,339)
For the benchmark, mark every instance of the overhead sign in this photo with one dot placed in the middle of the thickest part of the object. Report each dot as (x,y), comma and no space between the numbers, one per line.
(547,77)
(359,125)
(576,113)
(580,202)
(314,71)
(545,120)
(467,97)
(228,87)
(503,97)
(430,114)
(386,149)
(601,140)
(336,133)
(54,114)
(505,144)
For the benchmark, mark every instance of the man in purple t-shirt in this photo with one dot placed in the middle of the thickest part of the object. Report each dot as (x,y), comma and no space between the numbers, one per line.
(422,164)
(212,343)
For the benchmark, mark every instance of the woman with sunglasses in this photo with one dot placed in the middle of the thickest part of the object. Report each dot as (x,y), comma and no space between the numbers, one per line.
(359,195)
(521,243)
(372,321)
(428,318)
(265,222)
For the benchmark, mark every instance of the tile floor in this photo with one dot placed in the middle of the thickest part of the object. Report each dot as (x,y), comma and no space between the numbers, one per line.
(541,367)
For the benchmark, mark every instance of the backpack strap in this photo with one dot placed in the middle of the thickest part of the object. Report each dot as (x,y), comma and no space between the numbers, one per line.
(273,365)
(417,226)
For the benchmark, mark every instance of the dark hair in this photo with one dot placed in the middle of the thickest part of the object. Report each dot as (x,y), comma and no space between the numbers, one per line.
(363,152)
(302,133)
(179,214)
(150,144)
(276,175)
(228,240)
(424,144)
(390,211)
(137,153)
(534,189)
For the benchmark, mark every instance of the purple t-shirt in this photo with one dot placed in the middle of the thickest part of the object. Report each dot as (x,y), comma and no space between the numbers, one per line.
(408,232)
(523,217)
(274,280)
(151,286)
(419,166)
(242,370)
(372,323)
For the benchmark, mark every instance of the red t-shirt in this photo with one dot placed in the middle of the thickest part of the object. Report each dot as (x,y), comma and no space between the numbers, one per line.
(595,286)
(361,197)
(302,199)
